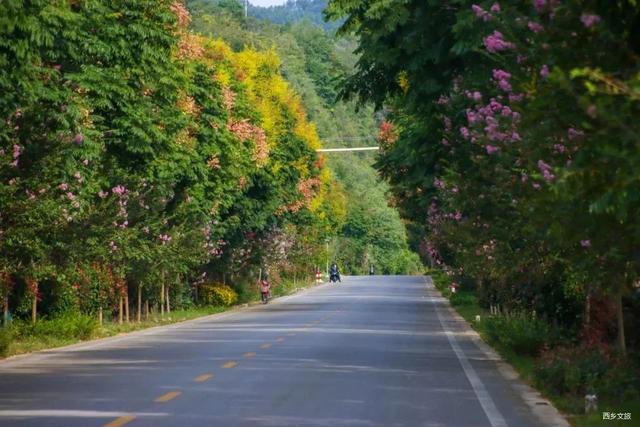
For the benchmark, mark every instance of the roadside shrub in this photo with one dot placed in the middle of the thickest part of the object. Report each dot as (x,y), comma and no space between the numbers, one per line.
(65,326)
(6,335)
(463,298)
(218,294)
(521,334)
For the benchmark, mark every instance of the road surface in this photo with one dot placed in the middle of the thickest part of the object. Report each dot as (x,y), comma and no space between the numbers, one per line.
(372,351)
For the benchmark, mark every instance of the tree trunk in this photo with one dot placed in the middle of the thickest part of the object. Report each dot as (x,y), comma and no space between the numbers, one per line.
(162,297)
(622,345)
(120,313)
(5,310)
(100,316)
(168,301)
(139,311)
(126,306)
(146,310)
(34,306)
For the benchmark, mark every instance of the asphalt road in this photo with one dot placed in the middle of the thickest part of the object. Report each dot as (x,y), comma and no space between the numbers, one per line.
(372,351)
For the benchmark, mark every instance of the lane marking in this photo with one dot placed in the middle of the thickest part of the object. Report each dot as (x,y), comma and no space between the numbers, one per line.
(250,354)
(202,378)
(118,422)
(265,345)
(279,339)
(230,365)
(168,396)
(488,405)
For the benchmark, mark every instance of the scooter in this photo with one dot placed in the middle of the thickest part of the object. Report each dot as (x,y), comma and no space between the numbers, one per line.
(334,278)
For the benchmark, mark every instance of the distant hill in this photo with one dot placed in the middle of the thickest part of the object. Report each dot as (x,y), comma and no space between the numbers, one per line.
(294,11)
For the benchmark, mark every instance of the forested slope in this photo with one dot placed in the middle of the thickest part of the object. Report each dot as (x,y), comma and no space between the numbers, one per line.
(314,62)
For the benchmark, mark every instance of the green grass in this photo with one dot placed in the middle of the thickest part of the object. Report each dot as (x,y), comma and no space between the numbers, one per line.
(525,366)
(23,337)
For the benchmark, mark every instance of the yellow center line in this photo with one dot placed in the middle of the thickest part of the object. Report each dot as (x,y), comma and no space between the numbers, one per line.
(168,396)
(279,339)
(202,378)
(118,422)
(265,346)
(230,365)
(250,354)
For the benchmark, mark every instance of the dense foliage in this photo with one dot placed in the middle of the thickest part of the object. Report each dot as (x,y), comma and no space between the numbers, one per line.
(314,62)
(138,158)
(296,10)
(512,148)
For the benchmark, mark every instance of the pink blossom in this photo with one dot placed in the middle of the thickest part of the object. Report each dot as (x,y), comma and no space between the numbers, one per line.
(444,142)
(12,181)
(113,246)
(585,243)
(64,186)
(495,8)
(77,176)
(119,190)
(464,132)
(443,100)
(496,43)
(481,13)
(515,136)
(539,5)
(574,133)
(85,162)
(589,20)
(102,194)
(472,117)
(500,74)
(439,183)
(17,150)
(70,196)
(506,111)
(454,189)
(560,148)
(457,216)
(535,27)
(495,106)
(504,85)
(164,238)
(491,149)
(544,71)
(78,139)
(447,123)
(524,177)
(516,97)
(521,58)
(592,111)
(477,96)
(536,186)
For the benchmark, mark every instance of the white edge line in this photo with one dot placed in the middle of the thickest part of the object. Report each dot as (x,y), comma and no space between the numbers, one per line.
(488,405)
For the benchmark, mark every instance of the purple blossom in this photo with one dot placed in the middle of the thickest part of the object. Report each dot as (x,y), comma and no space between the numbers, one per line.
(491,149)
(477,96)
(500,74)
(535,27)
(516,97)
(506,111)
(515,136)
(472,117)
(536,186)
(457,216)
(560,148)
(545,168)
(464,132)
(544,71)
(439,183)
(495,8)
(585,243)
(574,133)
(589,20)
(496,42)
(540,5)
(481,13)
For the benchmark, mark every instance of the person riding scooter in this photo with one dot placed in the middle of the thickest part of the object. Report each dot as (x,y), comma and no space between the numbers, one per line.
(334,273)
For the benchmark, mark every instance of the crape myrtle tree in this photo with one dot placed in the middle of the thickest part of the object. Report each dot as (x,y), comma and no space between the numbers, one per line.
(135,151)
(516,153)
